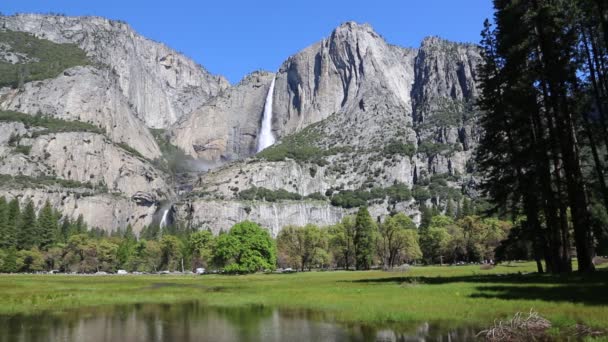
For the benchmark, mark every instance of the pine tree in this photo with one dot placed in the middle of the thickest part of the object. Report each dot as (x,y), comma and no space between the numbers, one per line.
(449,209)
(365,233)
(10,261)
(535,121)
(466,208)
(128,233)
(47,226)
(13,218)
(28,230)
(425,217)
(4,228)
(65,229)
(79,226)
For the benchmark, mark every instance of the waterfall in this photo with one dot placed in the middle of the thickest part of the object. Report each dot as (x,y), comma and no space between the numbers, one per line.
(163,221)
(266,138)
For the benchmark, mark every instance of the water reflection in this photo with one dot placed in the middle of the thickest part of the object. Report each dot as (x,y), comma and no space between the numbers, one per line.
(196,322)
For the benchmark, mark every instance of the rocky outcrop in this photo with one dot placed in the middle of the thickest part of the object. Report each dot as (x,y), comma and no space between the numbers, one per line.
(226,127)
(86,94)
(342,73)
(160,83)
(104,211)
(222,215)
(360,100)
(82,157)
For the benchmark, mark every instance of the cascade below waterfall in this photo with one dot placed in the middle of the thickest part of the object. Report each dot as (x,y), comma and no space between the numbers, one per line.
(266,137)
(164,220)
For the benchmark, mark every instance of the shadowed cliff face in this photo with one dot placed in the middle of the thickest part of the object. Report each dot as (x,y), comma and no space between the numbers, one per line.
(227,126)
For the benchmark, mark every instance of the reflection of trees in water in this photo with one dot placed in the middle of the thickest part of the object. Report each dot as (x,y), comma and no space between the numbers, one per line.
(194,322)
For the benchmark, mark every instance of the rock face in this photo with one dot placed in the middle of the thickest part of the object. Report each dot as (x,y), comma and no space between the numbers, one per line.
(361,103)
(221,215)
(342,73)
(160,83)
(226,127)
(104,211)
(84,94)
(351,113)
(82,157)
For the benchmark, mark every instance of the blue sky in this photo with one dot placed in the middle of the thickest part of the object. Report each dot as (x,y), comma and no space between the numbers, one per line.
(233,38)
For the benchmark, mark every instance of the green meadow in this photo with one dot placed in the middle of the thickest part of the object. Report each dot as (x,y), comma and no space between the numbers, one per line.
(453,295)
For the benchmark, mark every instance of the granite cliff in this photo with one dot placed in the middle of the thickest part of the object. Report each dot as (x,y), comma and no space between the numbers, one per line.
(358,121)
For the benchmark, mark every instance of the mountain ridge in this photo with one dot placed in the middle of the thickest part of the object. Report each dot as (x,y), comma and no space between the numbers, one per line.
(353,115)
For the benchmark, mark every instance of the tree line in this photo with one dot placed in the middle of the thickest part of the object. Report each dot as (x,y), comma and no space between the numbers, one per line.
(544,100)
(48,240)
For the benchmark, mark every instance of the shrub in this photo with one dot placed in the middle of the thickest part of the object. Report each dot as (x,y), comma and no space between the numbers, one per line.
(263,194)
(23,149)
(399,148)
(356,198)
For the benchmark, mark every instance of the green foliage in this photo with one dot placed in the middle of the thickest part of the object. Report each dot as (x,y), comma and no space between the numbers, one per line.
(246,248)
(28,228)
(46,59)
(398,241)
(341,240)
(399,148)
(263,194)
(5,240)
(420,193)
(200,245)
(171,248)
(302,246)
(301,146)
(47,226)
(450,113)
(9,263)
(432,148)
(22,181)
(130,150)
(30,261)
(317,196)
(361,197)
(364,240)
(437,294)
(426,216)
(23,149)
(50,124)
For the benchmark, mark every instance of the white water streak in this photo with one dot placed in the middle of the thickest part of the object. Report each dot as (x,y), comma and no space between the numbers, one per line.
(163,221)
(266,137)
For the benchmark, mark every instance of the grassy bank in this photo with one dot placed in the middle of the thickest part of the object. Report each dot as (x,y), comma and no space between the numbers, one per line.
(459,295)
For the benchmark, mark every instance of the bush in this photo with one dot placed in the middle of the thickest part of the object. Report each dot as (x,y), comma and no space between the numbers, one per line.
(399,148)
(130,150)
(263,194)
(420,193)
(23,149)
(357,198)
(316,196)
